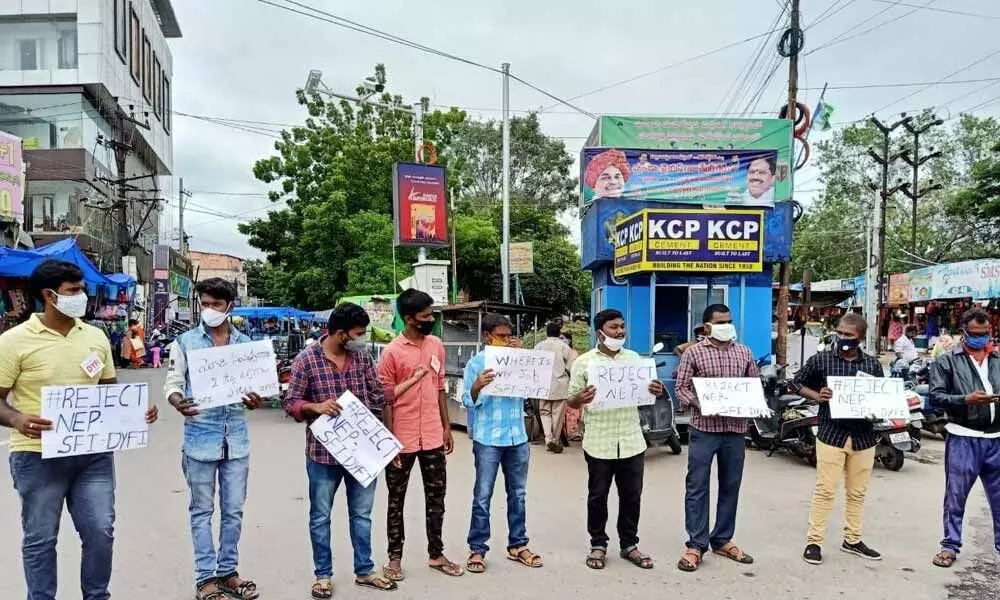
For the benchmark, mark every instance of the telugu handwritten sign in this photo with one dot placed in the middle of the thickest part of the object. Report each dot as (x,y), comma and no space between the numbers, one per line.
(87,419)
(622,383)
(519,373)
(357,439)
(731,396)
(863,397)
(226,374)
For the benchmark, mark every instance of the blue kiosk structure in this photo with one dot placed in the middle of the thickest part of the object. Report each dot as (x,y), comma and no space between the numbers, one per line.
(669,225)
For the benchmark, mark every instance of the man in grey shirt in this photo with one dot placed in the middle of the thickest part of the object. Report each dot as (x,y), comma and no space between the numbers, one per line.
(552,411)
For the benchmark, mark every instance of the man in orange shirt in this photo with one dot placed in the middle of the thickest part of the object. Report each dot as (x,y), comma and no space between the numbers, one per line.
(416,411)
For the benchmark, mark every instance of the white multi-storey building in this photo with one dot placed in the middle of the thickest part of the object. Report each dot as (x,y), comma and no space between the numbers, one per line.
(88,86)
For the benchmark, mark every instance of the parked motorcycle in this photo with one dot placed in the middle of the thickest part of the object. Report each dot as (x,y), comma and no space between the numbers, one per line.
(657,420)
(893,442)
(793,423)
(935,420)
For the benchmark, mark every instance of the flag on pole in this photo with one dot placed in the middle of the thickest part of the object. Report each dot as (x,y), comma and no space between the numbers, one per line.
(821,116)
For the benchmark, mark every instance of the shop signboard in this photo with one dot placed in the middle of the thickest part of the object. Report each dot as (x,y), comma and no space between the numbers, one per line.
(725,177)
(180,285)
(899,289)
(419,202)
(11,178)
(701,134)
(690,240)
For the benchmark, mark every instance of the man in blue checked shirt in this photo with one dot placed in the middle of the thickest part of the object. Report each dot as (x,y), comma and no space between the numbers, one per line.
(499,441)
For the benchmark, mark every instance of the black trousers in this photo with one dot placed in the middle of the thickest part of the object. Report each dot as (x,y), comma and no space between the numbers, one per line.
(626,473)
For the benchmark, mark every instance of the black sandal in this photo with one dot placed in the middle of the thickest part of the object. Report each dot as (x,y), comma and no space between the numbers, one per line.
(637,558)
(215,593)
(241,589)
(597,558)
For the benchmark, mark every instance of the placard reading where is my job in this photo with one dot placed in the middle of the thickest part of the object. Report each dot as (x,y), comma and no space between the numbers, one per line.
(519,373)
(731,396)
(87,419)
(862,397)
(622,383)
(226,374)
(357,439)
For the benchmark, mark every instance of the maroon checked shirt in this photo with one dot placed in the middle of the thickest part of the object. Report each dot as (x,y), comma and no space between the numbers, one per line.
(704,359)
(317,379)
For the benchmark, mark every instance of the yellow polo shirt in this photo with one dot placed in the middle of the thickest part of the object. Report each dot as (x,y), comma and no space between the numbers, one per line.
(33,356)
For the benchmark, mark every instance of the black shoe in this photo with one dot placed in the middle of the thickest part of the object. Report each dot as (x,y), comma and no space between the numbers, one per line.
(813,554)
(860,549)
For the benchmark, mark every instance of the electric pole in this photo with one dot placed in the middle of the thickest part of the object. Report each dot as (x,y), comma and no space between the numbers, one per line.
(884,160)
(505,244)
(182,197)
(914,192)
(793,89)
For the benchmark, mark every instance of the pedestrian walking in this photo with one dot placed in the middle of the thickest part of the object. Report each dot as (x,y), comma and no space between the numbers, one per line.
(844,447)
(338,363)
(498,442)
(51,348)
(552,410)
(965,381)
(713,438)
(412,369)
(216,447)
(613,446)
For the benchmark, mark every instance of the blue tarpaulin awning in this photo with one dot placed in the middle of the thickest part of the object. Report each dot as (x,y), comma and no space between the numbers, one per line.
(276,312)
(19,264)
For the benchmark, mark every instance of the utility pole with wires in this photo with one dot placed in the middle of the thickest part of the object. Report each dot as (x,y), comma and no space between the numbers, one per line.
(914,192)
(884,159)
(505,244)
(182,198)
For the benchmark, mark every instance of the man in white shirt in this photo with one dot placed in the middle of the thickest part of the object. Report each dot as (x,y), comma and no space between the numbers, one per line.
(552,411)
(904,347)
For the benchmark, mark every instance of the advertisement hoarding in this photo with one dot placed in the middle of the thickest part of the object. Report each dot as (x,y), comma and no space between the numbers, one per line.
(725,178)
(690,240)
(11,178)
(522,258)
(419,204)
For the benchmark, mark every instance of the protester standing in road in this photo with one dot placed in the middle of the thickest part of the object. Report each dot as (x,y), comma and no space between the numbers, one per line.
(216,446)
(965,382)
(499,441)
(553,409)
(613,447)
(843,446)
(412,369)
(55,347)
(321,374)
(712,437)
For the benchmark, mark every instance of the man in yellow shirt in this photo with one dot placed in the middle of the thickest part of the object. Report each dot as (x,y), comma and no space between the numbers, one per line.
(56,348)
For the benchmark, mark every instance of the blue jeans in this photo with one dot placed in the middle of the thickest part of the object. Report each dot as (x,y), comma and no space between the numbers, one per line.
(514,462)
(323,483)
(201,476)
(730,448)
(87,485)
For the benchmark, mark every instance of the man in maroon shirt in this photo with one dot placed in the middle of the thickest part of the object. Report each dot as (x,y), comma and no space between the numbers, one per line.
(718,355)
(322,373)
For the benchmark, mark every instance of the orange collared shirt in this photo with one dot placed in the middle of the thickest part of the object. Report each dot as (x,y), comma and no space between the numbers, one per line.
(416,413)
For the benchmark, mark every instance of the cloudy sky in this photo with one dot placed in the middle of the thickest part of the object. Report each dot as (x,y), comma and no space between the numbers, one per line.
(241,60)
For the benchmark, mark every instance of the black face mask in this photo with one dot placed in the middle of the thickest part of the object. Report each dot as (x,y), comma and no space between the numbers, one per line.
(425,327)
(847,345)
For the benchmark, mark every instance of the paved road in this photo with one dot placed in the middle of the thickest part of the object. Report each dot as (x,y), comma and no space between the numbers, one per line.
(153,553)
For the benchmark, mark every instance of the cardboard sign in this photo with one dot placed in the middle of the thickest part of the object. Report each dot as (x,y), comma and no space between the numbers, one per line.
(519,373)
(87,419)
(622,383)
(731,396)
(226,374)
(862,397)
(357,439)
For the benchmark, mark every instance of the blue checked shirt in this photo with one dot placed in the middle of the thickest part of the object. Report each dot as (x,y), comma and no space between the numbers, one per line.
(497,420)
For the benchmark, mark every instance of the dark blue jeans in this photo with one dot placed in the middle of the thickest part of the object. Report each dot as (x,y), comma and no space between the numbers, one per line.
(323,483)
(514,462)
(86,484)
(703,447)
(965,460)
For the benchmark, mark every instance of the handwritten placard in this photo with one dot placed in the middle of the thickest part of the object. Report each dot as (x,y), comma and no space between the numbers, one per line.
(863,397)
(226,374)
(87,419)
(622,383)
(731,396)
(519,373)
(357,439)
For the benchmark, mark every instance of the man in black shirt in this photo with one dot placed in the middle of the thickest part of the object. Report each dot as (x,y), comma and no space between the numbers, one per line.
(844,446)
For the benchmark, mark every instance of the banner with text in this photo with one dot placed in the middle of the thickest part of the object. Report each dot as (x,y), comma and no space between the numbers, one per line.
(731,396)
(226,374)
(419,201)
(678,239)
(519,373)
(863,397)
(87,419)
(356,439)
(622,383)
(11,178)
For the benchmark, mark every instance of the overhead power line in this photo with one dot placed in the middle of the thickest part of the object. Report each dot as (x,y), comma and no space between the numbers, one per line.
(941,10)
(932,84)
(841,38)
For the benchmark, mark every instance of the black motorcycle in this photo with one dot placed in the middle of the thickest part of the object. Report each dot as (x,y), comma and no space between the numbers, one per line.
(657,420)
(792,424)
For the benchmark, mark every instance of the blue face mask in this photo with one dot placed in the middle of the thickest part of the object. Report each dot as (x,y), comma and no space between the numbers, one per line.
(976,342)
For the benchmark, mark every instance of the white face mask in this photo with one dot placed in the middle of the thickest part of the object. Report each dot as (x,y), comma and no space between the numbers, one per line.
(723,332)
(74,306)
(613,344)
(213,318)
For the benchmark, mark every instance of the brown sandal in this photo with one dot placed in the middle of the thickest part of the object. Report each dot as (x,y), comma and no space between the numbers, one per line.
(375,581)
(476,563)
(733,553)
(945,559)
(637,558)
(393,573)
(240,589)
(597,559)
(448,568)
(210,590)
(322,589)
(525,557)
(690,560)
